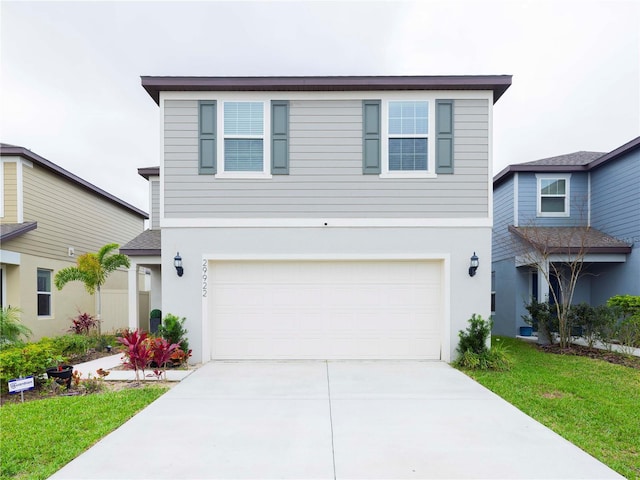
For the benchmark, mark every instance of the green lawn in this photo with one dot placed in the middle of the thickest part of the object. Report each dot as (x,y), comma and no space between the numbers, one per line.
(592,403)
(38,438)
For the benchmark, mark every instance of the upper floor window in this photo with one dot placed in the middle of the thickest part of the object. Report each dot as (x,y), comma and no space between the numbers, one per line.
(243,137)
(553,195)
(44,293)
(408,136)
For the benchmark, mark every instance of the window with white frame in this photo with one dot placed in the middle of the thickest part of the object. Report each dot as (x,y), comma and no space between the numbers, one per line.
(44,293)
(408,136)
(553,195)
(243,137)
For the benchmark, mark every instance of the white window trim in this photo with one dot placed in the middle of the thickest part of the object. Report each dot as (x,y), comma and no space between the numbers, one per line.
(567,204)
(431,145)
(266,143)
(50,293)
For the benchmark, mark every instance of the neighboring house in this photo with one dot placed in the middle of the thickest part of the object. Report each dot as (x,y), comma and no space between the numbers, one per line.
(48,217)
(322,217)
(585,201)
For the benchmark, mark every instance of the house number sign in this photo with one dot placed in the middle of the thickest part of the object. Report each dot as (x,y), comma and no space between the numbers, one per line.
(205,269)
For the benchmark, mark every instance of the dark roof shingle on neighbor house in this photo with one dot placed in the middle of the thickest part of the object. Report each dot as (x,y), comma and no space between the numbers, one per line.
(571,162)
(497,83)
(571,240)
(148,243)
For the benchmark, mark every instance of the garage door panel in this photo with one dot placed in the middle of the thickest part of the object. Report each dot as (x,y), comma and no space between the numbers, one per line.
(378,309)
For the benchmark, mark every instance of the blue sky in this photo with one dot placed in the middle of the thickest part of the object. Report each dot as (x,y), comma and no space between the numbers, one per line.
(70,71)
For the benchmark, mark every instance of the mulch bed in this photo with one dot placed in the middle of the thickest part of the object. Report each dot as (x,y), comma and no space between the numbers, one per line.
(578,350)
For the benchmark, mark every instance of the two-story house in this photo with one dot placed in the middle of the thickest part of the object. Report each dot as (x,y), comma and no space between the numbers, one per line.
(48,217)
(323,217)
(584,204)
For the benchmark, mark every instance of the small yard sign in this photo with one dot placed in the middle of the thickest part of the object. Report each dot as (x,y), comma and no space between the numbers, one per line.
(21,385)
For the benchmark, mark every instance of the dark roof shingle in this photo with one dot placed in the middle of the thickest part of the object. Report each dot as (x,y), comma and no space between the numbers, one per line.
(572,240)
(148,243)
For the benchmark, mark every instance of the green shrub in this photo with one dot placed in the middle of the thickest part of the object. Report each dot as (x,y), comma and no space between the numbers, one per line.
(495,358)
(476,335)
(30,359)
(627,305)
(542,317)
(172,329)
(72,344)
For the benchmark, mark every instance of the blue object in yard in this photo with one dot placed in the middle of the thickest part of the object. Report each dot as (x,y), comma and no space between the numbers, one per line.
(526,331)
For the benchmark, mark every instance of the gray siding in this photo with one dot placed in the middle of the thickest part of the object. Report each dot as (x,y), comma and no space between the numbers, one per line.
(527,198)
(502,218)
(615,209)
(326,170)
(155,204)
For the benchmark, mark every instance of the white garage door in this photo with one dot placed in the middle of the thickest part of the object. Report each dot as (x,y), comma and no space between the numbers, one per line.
(325,310)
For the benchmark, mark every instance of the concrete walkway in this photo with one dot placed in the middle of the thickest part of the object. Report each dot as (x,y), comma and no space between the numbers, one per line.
(331,420)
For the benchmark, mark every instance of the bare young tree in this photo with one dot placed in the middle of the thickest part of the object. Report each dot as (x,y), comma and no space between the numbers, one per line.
(559,254)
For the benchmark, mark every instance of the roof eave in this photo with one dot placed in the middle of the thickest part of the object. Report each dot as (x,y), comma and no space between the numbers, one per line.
(21,231)
(506,172)
(623,149)
(141,252)
(48,165)
(496,83)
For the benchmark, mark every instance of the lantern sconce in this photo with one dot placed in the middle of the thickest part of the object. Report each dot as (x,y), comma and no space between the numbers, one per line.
(177,262)
(473,266)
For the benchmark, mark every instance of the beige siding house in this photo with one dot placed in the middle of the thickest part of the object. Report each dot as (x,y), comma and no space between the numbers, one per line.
(48,217)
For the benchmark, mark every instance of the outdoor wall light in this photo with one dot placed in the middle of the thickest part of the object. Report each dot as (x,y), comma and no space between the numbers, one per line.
(473,266)
(177,262)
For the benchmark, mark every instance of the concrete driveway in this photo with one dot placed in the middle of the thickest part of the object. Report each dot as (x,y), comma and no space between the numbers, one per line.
(335,419)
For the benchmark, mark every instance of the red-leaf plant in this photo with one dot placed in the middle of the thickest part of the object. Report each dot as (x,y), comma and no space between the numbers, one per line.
(138,352)
(161,352)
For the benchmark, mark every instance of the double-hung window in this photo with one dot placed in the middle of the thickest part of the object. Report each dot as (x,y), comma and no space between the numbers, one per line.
(44,293)
(408,136)
(553,195)
(243,131)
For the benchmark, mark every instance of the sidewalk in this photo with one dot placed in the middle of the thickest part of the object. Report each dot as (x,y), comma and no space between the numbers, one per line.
(107,363)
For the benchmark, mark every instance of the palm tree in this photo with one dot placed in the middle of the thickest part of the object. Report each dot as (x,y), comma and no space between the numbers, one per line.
(92,269)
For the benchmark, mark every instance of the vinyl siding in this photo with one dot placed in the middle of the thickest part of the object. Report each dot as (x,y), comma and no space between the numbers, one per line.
(502,218)
(10,192)
(68,216)
(155,204)
(615,209)
(527,198)
(325,168)
(615,198)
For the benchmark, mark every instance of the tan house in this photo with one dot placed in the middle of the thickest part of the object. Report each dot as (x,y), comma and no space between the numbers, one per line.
(48,217)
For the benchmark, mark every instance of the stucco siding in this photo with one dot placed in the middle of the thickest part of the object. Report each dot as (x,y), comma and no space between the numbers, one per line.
(465,295)
(325,170)
(68,216)
(10,192)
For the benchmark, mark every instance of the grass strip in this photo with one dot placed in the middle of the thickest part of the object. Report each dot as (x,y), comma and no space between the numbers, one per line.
(592,403)
(40,437)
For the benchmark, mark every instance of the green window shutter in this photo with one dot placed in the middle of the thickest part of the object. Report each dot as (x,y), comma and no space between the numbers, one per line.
(207,137)
(444,136)
(280,137)
(371,137)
